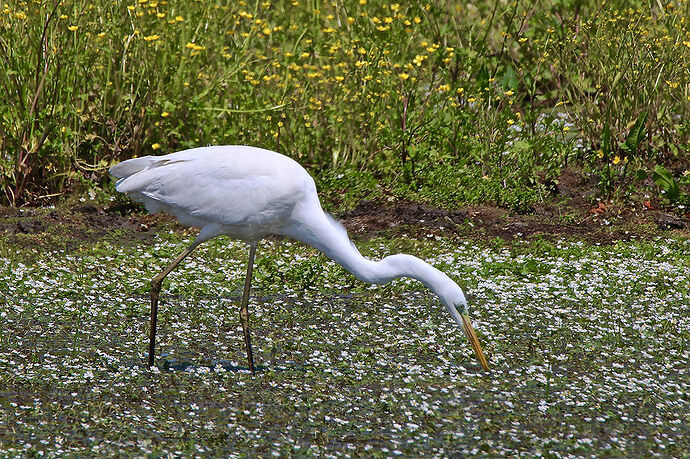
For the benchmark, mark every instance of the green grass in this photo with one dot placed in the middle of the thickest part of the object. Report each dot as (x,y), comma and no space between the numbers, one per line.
(588,346)
(450,103)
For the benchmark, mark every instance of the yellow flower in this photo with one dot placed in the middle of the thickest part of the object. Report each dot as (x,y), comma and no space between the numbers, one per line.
(152,38)
(160,15)
(616,159)
(179,19)
(600,154)
(419,59)
(509,92)
(417,20)
(165,114)
(461,90)
(20,15)
(566,128)
(156,146)
(404,76)
(194,46)
(339,78)
(73,28)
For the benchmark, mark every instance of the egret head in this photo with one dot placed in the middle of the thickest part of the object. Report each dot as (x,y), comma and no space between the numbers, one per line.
(454,300)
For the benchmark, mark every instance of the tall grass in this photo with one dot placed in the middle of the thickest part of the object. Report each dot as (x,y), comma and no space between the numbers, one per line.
(436,98)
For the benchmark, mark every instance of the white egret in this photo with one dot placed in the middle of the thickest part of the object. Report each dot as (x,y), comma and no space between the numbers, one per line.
(249,193)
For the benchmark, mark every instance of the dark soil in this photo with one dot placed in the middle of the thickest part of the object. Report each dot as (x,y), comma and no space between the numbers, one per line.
(569,214)
(602,224)
(73,227)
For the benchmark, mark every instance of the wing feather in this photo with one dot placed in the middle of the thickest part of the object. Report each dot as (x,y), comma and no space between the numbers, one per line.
(227,185)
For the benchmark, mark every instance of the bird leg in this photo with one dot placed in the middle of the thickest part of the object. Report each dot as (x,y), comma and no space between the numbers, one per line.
(156,283)
(244,309)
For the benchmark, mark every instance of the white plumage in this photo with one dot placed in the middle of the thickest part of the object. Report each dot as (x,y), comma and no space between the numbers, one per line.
(244,192)
(249,193)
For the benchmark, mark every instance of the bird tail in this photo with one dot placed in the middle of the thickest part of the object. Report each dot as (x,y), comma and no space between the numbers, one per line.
(132,166)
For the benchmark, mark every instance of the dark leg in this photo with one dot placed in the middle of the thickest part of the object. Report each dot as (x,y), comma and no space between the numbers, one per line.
(244,309)
(156,283)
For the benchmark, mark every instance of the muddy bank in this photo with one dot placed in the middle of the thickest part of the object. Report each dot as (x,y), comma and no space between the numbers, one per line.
(75,226)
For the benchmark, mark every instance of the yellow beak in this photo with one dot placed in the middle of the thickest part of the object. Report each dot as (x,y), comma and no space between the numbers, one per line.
(469,331)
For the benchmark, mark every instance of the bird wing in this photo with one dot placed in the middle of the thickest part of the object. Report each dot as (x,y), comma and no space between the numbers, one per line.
(246,186)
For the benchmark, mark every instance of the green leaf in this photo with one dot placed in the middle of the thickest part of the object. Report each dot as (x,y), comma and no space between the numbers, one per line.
(510,79)
(666,182)
(483,76)
(636,134)
(606,140)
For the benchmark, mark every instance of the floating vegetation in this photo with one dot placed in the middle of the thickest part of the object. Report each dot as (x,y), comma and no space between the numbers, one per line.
(588,346)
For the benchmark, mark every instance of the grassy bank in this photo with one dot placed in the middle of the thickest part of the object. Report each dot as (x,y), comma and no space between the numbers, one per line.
(449,103)
(588,346)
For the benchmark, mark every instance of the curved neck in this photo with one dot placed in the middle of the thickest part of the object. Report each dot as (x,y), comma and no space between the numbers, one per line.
(330,237)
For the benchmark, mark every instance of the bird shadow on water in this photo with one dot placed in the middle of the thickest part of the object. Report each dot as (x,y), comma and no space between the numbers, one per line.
(227,366)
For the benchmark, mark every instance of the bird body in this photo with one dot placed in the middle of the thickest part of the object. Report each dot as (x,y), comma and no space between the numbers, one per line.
(249,193)
(244,192)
